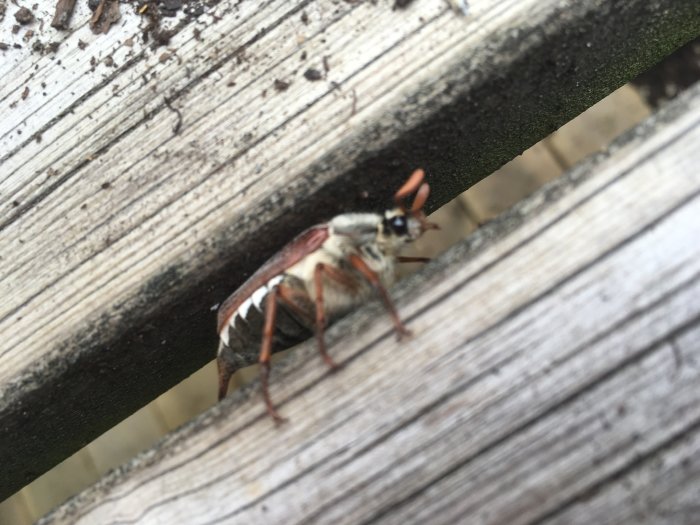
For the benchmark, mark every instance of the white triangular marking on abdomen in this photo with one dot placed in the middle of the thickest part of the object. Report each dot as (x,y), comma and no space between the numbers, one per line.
(243,309)
(224,333)
(258,296)
(274,281)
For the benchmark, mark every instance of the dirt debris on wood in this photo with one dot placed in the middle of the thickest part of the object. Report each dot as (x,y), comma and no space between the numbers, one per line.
(178,123)
(400,4)
(169,7)
(280,85)
(24,16)
(154,30)
(64,10)
(313,75)
(106,14)
(155,10)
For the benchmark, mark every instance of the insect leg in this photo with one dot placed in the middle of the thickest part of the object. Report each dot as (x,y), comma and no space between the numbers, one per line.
(320,314)
(225,372)
(287,296)
(266,352)
(374,280)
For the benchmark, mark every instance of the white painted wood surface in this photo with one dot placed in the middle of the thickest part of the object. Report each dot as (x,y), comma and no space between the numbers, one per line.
(552,377)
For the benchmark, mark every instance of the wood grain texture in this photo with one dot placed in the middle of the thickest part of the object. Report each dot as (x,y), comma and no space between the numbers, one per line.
(554,359)
(140,186)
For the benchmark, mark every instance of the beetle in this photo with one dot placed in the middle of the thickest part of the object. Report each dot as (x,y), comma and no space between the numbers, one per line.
(323,273)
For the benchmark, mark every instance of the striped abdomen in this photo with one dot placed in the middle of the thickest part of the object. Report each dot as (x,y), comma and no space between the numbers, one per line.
(242,335)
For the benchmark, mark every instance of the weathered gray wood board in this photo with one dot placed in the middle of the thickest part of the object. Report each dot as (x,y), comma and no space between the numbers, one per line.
(553,377)
(126,217)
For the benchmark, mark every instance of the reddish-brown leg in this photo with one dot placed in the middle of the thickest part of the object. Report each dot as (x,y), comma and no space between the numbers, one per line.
(373,278)
(266,353)
(319,271)
(224,377)
(289,297)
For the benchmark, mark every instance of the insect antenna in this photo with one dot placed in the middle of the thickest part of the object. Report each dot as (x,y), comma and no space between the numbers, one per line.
(409,187)
(421,197)
(415,184)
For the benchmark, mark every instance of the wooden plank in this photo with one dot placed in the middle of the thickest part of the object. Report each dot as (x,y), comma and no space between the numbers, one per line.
(138,195)
(599,125)
(505,187)
(16,510)
(554,354)
(658,488)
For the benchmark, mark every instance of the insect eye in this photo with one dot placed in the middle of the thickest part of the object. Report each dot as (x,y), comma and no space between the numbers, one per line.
(398,224)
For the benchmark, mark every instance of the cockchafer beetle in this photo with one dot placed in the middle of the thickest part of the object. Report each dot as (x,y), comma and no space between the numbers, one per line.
(326,271)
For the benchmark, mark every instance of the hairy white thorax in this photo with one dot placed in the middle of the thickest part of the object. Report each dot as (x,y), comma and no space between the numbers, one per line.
(350,233)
